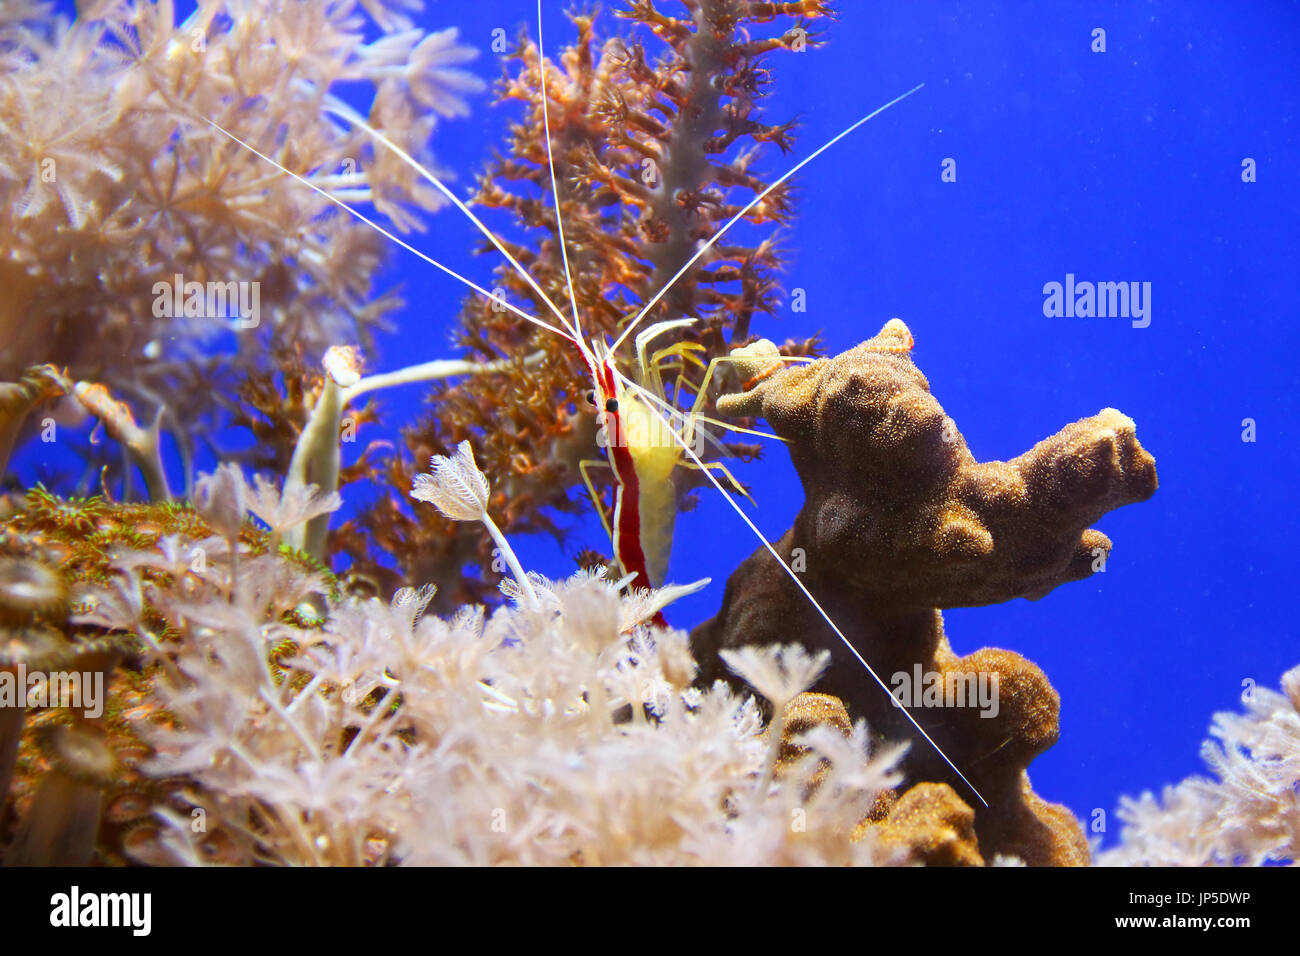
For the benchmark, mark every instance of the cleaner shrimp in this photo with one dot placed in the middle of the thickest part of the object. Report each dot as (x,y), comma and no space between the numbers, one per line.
(643,443)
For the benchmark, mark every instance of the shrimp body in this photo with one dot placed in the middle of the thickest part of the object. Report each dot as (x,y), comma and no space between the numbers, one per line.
(645,498)
(643,453)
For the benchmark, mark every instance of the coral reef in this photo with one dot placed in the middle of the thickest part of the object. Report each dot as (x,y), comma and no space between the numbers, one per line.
(654,136)
(1248,816)
(261,710)
(899,522)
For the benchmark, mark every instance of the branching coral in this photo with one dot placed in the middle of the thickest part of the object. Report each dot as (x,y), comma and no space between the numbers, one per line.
(116,186)
(1248,815)
(652,154)
(899,522)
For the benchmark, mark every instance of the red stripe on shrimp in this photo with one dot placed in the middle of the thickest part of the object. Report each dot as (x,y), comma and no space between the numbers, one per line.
(627,494)
(627,518)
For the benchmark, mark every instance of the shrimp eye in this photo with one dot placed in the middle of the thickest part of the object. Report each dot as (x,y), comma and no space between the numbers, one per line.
(591,398)
(611,404)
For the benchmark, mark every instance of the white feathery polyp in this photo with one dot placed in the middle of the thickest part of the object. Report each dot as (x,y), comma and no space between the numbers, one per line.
(222,498)
(455,486)
(780,673)
(434,76)
(290,506)
(460,491)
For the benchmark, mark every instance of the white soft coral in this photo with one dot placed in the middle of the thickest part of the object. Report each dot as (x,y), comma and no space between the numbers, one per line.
(387,735)
(1249,815)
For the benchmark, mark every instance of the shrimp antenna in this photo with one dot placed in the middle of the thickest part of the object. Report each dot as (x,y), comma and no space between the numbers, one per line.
(750,205)
(392,238)
(555,186)
(345,112)
(627,383)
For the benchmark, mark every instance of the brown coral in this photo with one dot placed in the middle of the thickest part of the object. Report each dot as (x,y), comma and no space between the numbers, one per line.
(933,825)
(900,521)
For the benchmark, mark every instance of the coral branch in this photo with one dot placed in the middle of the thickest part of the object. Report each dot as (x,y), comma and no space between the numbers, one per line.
(899,522)
(142,444)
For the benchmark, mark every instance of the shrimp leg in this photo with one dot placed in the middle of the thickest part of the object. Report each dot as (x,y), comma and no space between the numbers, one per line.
(584,468)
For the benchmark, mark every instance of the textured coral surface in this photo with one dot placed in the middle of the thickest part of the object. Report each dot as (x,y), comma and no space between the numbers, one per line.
(900,521)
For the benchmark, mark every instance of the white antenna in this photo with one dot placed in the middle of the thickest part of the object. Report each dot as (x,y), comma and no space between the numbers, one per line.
(343,111)
(555,187)
(750,205)
(388,235)
(571,332)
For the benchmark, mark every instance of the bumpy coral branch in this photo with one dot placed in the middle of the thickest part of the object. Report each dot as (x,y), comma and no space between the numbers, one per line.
(918,521)
(901,521)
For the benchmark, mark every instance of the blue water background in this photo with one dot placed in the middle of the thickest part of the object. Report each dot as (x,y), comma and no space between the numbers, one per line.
(1116,166)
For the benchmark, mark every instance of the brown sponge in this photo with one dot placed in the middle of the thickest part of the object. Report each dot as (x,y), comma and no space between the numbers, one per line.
(900,521)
